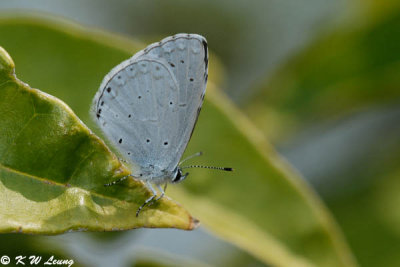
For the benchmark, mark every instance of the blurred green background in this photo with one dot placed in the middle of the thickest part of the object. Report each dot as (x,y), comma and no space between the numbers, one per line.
(319,78)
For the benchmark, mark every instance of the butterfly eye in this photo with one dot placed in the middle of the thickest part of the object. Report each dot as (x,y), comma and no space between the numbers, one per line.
(177,176)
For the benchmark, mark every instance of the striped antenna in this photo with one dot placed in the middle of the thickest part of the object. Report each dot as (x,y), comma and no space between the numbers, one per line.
(208,167)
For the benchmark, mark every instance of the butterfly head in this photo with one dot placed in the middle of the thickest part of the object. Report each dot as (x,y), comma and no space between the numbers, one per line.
(178,176)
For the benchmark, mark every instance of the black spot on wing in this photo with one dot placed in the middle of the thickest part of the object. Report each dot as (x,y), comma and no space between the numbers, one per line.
(98,113)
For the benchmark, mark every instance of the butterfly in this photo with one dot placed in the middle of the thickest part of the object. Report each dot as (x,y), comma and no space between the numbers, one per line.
(148,106)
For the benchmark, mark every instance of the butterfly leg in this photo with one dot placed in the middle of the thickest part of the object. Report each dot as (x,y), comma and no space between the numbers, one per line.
(147,200)
(118,181)
(161,195)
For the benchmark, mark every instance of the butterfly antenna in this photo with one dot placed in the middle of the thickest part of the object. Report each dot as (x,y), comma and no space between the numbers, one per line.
(192,156)
(209,167)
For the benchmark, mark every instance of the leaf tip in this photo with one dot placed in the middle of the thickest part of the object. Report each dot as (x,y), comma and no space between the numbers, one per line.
(194,223)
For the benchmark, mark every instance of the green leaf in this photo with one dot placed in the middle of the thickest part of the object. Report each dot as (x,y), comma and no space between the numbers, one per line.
(156,258)
(53,170)
(263,207)
(348,70)
(350,74)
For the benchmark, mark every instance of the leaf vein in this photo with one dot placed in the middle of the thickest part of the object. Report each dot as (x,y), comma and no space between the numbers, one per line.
(54,183)
(16,137)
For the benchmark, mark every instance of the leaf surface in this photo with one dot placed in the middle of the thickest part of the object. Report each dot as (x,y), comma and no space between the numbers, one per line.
(53,170)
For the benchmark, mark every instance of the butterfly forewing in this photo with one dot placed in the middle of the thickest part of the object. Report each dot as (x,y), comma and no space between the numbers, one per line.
(187,57)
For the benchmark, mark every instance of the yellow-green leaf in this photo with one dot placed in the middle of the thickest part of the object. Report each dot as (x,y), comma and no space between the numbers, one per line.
(53,170)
